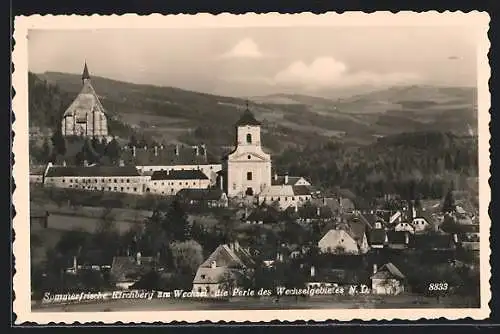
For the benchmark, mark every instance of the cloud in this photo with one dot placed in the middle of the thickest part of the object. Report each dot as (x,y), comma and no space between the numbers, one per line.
(328,72)
(245,48)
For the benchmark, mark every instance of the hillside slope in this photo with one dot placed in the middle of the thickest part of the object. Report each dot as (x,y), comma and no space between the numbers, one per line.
(176,115)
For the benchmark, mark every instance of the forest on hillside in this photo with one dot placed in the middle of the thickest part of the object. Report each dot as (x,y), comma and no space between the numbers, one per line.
(412,165)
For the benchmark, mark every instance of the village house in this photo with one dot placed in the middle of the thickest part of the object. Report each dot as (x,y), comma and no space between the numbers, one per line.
(404,226)
(96,178)
(171,182)
(279,180)
(398,239)
(285,196)
(439,242)
(37,174)
(211,197)
(223,269)
(171,157)
(128,270)
(338,270)
(343,241)
(387,280)
(264,214)
(378,238)
(336,205)
(468,237)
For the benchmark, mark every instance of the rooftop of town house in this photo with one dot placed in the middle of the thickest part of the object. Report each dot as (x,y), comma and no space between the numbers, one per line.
(179,175)
(210,194)
(92,171)
(388,271)
(167,155)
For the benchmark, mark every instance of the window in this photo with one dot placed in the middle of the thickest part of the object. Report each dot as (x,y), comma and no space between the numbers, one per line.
(203,276)
(249,157)
(249,138)
(249,176)
(128,180)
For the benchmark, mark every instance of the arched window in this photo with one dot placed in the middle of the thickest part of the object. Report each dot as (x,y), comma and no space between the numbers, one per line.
(249,138)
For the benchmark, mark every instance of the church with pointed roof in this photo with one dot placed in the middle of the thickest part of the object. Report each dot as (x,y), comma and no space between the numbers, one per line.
(85,117)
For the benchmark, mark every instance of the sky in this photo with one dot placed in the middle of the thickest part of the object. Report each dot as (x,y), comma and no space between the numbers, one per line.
(259,61)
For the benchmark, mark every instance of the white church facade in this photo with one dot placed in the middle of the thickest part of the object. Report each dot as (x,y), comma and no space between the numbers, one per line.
(247,171)
(247,168)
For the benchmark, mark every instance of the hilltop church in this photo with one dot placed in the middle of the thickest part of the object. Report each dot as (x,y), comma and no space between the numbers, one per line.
(85,117)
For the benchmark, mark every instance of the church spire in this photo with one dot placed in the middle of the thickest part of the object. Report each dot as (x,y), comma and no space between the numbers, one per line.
(85,74)
(247,118)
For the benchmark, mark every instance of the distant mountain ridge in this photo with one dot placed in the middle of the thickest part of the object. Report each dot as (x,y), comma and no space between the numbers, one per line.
(289,120)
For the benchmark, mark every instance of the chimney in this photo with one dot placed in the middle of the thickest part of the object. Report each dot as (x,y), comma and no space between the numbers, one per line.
(122,163)
(318,211)
(75,265)
(222,183)
(413,212)
(407,238)
(375,268)
(275,176)
(286,178)
(324,200)
(138,258)
(64,163)
(204,147)
(296,208)
(156,151)
(133,150)
(313,271)
(161,147)
(176,149)
(455,238)
(85,163)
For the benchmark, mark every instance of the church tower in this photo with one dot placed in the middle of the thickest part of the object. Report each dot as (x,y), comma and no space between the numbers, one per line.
(248,167)
(85,117)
